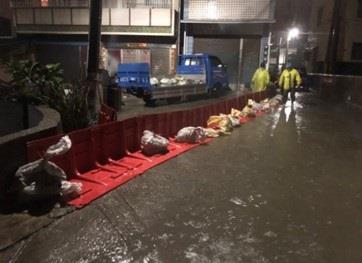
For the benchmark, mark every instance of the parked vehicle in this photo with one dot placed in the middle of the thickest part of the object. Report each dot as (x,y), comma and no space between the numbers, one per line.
(197,74)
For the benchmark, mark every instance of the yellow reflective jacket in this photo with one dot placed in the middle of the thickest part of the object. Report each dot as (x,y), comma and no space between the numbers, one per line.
(260,80)
(289,79)
(296,79)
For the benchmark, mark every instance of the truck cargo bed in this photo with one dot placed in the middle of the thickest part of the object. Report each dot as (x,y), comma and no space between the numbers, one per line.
(182,91)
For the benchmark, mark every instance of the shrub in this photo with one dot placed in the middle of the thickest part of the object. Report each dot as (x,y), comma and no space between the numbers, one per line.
(45,84)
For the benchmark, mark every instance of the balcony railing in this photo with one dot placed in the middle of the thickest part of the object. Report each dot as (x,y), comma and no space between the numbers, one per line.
(229,10)
(123,17)
(85,3)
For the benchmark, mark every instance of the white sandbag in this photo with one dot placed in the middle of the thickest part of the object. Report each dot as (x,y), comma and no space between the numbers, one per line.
(154,81)
(191,135)
(235,122)
(61,147)
(43,178)
(70,188)
(152,143)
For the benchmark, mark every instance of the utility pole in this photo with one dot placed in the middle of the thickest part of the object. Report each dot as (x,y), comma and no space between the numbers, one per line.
(333,40)
(94,40)
(181,28)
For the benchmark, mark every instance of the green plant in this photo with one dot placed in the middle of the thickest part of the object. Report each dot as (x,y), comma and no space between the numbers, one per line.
(23,88)
(45,84)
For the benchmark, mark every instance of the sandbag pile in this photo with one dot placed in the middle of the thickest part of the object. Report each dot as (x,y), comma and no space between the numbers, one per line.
(217,125)
(276,100)
(152,143)
(176,81)
(42,178)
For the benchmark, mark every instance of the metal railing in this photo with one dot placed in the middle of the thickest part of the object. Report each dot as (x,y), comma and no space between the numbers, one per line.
(231,10)
(85,3)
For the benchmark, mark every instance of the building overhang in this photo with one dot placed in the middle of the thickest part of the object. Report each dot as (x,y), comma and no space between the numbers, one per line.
(228,30)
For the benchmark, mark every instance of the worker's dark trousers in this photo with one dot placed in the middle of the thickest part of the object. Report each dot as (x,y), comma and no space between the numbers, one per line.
(292,95)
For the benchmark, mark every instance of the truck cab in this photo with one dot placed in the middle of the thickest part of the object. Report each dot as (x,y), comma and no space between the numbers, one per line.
(205,68)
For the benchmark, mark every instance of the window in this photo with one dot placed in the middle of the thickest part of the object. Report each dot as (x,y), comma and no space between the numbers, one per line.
(193,62)
(356,51)
(215,62)
(44,3)
(320,16)
(359,9)
(196,62)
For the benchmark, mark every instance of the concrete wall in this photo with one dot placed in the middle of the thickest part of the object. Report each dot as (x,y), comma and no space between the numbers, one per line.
(350,28)
(353,32)
(320,32)
(5,10)
(13,146)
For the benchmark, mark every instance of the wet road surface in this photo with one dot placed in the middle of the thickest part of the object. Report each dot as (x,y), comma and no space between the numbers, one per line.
(136,107)
(285,187)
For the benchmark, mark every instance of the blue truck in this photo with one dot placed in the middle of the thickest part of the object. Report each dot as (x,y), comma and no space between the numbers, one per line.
(197,74)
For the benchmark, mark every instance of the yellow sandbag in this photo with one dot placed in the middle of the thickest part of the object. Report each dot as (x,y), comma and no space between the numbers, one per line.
(221,122)
(248,112)
(210,132)
(235,113)
(214,121)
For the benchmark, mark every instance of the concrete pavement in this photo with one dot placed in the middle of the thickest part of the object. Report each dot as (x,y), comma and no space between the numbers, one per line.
(285,187)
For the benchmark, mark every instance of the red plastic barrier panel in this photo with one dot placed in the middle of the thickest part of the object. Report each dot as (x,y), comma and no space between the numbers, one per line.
(162,126)
(98,147)
(175,121)
(234,103)
(264,94)
(192,118)
(244,101)
(225,107)
(260,98)
(205,116)
(154,122)
(213,109)
(220,107)
(249,96)
(82,150)
(130,134)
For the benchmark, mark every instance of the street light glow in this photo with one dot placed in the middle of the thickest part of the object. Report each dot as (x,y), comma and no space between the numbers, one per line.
(293,33)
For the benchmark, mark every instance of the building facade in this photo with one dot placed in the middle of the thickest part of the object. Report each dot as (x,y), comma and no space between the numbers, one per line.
(153,31)
(5,19)
(132,31)
(235,30)
(349,52)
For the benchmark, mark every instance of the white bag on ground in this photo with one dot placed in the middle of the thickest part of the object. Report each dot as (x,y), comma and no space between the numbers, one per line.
(43,178)
(191,135)
(152,143)
(70,188)
(234,121)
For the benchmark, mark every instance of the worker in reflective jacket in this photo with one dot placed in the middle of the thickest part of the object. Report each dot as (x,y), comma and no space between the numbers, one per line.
(260,79)
(289,80)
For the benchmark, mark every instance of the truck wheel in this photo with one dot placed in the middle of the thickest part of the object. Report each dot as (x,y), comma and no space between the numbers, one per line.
(149,102)
(225,90)
(173,100)
(216,91)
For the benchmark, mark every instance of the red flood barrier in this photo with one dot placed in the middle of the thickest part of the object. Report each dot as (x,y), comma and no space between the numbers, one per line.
(108,155)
